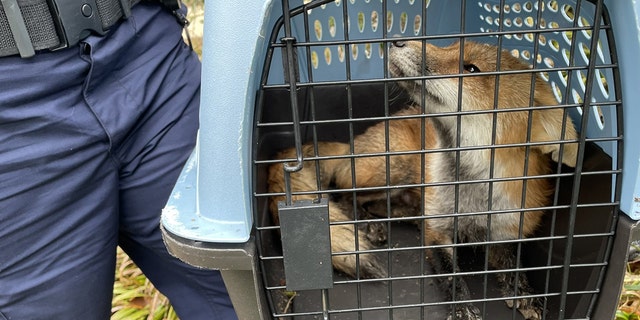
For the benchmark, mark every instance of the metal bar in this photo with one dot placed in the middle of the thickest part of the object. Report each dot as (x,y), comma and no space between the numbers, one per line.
(291,66)
(581,147)
(619,146)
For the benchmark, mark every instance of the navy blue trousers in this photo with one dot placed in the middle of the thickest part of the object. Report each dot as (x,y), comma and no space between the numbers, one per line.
(92,139)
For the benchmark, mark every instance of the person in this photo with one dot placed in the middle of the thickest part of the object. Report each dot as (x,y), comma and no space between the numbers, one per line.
(92,140)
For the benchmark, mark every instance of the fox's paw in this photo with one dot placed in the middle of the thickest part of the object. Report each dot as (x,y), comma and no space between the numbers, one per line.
(368,266)
(530,308)
(465,312)
(376,233)
(372,267)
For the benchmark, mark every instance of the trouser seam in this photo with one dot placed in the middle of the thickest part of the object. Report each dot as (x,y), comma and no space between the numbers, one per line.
(85,89)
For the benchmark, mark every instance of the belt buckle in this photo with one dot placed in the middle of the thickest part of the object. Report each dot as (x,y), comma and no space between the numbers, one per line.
(75,20)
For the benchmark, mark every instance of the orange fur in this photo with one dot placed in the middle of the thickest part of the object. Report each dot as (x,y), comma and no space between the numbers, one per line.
(443,97)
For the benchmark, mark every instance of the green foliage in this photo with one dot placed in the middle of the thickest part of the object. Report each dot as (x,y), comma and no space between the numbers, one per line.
(134,297)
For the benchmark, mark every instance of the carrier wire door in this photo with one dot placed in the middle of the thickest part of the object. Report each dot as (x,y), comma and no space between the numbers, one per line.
(326,79)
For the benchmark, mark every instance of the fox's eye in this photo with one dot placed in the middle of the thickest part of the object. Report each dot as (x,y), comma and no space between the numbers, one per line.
(471,68)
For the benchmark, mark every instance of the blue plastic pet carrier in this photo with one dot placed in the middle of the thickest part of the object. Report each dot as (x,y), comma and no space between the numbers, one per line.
(288,74)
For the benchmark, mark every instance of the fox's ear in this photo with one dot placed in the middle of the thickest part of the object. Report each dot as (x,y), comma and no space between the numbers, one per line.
(549,127)
(569,154)
(551,130)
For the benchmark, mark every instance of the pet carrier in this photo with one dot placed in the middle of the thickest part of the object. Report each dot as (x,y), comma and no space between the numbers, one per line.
(407,159)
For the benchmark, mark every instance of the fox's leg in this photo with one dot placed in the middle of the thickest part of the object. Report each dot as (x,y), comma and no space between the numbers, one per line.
(443,262)
(501,257)
(343,239)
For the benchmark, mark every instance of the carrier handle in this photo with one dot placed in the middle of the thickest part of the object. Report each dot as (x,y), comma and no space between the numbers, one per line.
(290,72)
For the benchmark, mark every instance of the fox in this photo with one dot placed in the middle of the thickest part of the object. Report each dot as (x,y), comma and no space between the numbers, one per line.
(465,126)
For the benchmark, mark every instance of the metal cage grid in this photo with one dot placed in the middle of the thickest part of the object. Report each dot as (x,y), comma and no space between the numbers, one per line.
(325,78)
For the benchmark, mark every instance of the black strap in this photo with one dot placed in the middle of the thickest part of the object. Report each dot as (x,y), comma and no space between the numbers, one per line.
(43,30)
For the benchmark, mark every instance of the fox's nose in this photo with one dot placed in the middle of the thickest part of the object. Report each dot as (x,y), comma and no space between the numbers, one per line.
(399,43)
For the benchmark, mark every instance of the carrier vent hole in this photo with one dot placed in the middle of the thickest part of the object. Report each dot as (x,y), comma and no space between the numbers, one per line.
(549,62)
(599,115)
(417,24)
(553,6)
(564,75)
(603,85)
(517,8)
(585,52)
(567,35)
(361,21)
(528,21)
(354,51)
(582,80)
(367,50)
(327,55)
(542,39)
(403,22)
(374,21)
(577,98)
(529,37)
(389,21)
(566,55)
(314,59)
(341,53)
(317,28)
(599,50)
(528,6)
(517,22)
(567,12)
(545,76)
(583,22)
(332,26)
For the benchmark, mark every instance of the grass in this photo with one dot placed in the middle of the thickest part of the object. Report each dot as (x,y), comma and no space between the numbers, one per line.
(134,297)
(629,304)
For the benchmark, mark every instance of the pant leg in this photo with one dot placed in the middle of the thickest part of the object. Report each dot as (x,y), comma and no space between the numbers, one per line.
(82,133)
(58,193)
(159,91)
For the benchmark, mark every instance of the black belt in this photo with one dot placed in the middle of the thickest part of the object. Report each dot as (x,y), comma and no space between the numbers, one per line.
(30,25)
